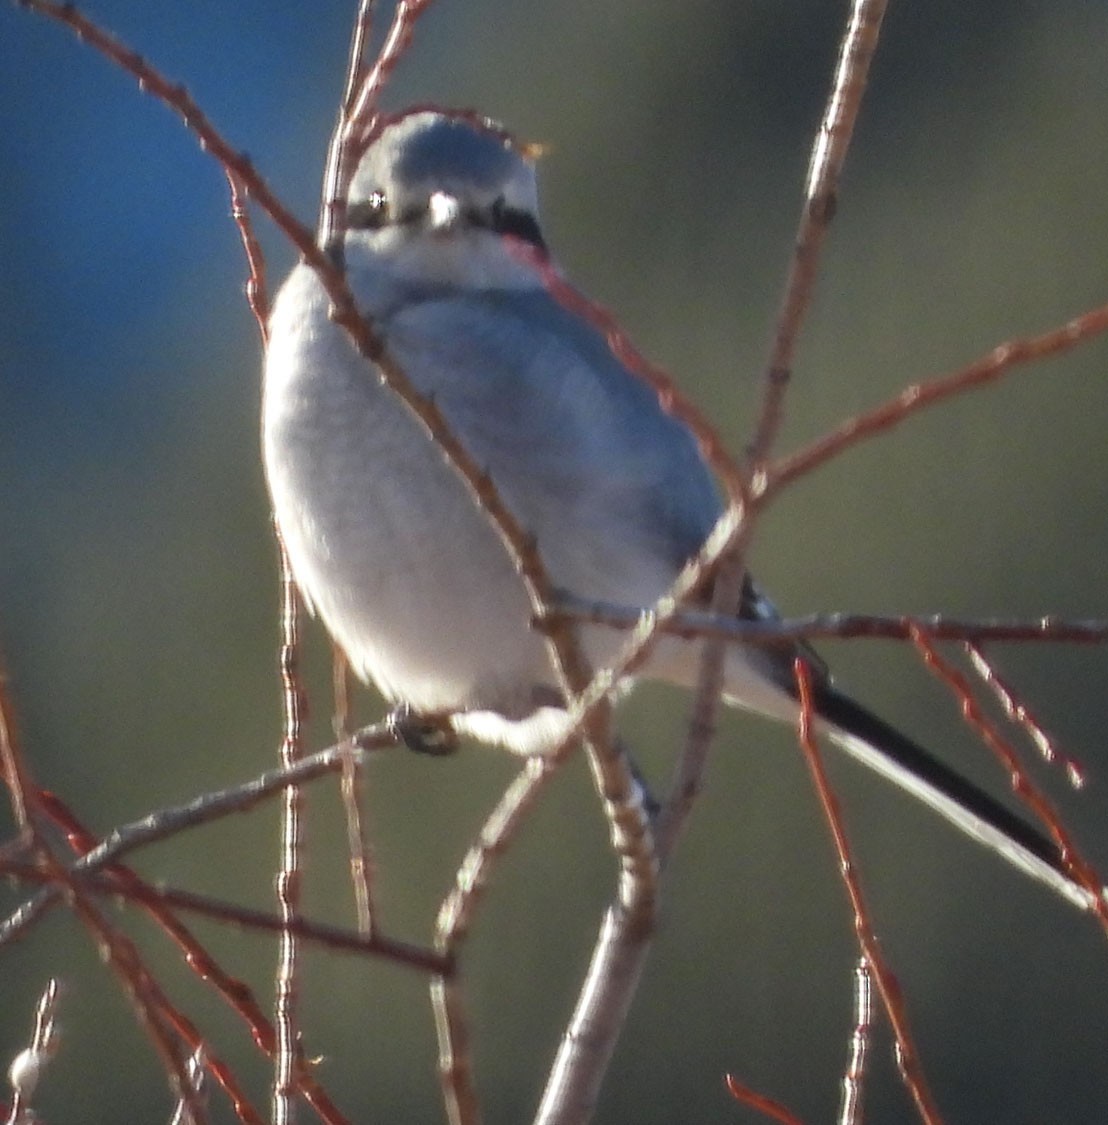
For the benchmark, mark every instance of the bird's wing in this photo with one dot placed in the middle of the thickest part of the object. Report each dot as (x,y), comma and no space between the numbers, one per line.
(612,487)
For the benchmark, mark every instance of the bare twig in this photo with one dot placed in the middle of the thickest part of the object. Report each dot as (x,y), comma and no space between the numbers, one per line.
(196,1069)
(621,950)
(160,1019)
(335,938)
(774,1110)
(825,167)
(452,928)
(1018,711)
(27,1067)
(690,623)
(362,116)
(150,1005)
(357,846)
(121,881)
(995,365)
(911,1067)
(168,822)
(340,157)
(289,888)
(13,770)
(257,292)
(318,933)
(1076,866)
(820,200)
(850,1108)
(579,1067)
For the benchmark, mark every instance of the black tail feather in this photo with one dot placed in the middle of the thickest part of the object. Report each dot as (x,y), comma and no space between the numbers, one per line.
(908,758)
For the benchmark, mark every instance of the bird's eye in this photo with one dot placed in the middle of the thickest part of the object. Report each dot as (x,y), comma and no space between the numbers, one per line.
(519,224)
(368,214)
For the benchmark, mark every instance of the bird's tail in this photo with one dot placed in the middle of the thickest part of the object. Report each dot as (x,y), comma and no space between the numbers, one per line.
(891,754)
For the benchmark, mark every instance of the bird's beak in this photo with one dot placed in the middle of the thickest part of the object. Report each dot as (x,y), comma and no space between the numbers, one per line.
(443,212)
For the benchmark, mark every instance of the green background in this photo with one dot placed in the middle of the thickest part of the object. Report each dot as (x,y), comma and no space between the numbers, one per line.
(137,582)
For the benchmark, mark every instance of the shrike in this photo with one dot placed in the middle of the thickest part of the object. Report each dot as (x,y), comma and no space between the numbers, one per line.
(384,540)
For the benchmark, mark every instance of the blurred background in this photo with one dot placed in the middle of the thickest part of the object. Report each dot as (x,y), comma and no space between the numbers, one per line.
(138,584)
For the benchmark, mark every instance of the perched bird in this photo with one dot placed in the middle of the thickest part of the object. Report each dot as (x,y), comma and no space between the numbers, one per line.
(388,547)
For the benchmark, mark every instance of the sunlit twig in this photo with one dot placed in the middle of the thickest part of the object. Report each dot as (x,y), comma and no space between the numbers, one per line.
(853,1083)
(766,1106)
(1074,863)
(995,365)
(26,1069)
(452,927)
(911,1067)
(1019,712)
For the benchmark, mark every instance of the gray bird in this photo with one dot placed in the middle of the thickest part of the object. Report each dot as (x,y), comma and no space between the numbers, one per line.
(386,544)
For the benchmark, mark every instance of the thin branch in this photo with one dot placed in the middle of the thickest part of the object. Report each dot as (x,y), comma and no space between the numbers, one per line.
(820,201)
(325,936)
(911,1067)
(363,113)
(257,292)
(13,769)
(357,846)
(147,1001)
(689,769)
(150,1005)
(334,938)
(208,807)
(121,881)
(124,881)
(990,368)
(1019,713)
(828,156)
(452,928)
(288,883)
(1076,866)
(159,1018)
(853,1085)
(612,980)
(825,167)
(774,1110)
(196,1068)
(690,623)
(27,1067)
(340,158)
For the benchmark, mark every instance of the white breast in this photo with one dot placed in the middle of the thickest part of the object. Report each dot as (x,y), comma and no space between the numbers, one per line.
(384,542)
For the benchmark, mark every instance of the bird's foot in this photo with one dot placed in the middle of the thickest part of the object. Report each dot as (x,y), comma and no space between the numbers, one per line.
(423,734)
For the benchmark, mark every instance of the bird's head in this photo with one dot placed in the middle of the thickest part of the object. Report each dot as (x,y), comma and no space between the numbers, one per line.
(436,196)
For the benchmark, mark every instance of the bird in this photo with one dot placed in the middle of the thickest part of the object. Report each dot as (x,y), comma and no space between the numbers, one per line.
(384,540)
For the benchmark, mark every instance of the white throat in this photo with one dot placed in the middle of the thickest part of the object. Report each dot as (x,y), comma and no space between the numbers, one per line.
(448,254)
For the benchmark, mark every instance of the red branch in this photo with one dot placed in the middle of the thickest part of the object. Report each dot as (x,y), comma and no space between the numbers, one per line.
(1076,866)
(671,398)
(257,295)
(829,152)
(396,43)
(1020,713)
(850,1108)
(759,1102)
(911,1067)
(234,991)
(919,396)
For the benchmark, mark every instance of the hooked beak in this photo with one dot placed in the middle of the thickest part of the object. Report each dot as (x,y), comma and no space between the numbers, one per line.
(443,212)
